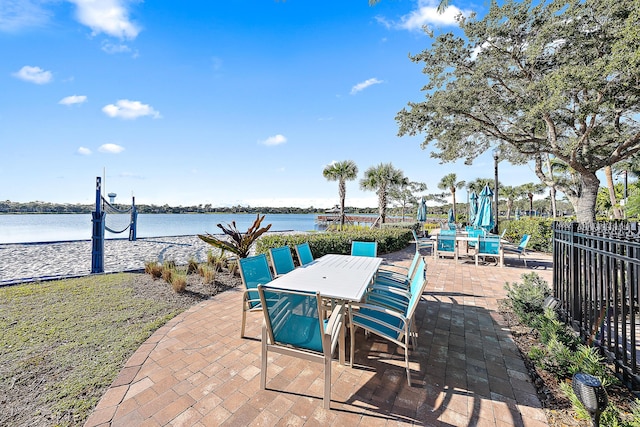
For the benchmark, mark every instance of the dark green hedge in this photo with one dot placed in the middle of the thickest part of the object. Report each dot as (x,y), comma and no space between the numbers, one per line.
(389,240)
(539,229)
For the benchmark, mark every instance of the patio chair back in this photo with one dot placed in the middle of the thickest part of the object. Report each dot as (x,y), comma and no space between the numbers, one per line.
(281,260)
(522,246)
(521,249)
(398,279)
(303,251)
(369,249)
(253,272)
(422,242)
(445,245)
(490,246)
(294,325)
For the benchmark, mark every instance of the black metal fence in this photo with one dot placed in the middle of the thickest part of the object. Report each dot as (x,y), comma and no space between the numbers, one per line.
(595,276)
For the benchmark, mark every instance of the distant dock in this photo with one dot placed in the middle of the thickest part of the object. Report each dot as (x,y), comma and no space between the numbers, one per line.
(328,219)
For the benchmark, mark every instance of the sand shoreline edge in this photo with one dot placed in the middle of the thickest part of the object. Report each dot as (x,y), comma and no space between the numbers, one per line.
(41,261)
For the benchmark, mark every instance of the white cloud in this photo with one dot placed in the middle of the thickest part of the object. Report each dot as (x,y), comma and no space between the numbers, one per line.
(84,151)
(274,140)
(111,148)
(18,14)
(113,48)
(427,14)
(110,17)
(130,110)
(73,99)
(365,84)
(34,75)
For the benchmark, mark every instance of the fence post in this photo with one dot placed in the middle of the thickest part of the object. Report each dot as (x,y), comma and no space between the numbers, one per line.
(574,274)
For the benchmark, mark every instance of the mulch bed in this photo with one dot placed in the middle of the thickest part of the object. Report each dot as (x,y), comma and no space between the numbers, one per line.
(555,404)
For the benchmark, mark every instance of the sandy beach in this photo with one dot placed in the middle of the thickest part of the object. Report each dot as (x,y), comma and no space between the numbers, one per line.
(40,261)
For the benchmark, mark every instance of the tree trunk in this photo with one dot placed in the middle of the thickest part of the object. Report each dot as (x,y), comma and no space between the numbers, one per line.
(509,207)
(552,188)
(554,207)
(608,173)
(382,205)
(453,194)
(342,189)
(585,203)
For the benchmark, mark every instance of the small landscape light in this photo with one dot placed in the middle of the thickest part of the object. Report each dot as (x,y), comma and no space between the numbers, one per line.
(591,394)
(551,302)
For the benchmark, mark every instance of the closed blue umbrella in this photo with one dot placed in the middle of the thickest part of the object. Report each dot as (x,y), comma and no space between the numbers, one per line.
(422,211)
(473,207)
(484,216)
(517,214)
(452,220)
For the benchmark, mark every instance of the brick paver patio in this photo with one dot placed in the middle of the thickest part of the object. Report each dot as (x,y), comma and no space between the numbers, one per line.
(466,371)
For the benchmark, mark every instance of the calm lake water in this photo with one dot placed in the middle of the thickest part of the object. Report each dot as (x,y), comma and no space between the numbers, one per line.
(60,227)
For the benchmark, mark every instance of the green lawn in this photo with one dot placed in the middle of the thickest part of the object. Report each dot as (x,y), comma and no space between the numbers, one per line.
(64,342)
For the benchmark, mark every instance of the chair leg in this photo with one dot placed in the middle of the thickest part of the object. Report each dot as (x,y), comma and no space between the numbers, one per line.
(263,370)
(406,361)
(327,383)
(244,320)
(352,341)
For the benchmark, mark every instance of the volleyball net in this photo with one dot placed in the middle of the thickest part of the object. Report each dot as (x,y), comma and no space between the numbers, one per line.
(112,218)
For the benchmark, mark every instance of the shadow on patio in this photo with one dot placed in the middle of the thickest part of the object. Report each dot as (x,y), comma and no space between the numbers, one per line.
(466,371)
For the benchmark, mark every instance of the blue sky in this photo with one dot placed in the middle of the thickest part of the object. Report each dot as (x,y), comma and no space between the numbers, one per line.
(220,102)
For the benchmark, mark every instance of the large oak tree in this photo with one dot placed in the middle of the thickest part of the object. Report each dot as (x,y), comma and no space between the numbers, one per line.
(537,79)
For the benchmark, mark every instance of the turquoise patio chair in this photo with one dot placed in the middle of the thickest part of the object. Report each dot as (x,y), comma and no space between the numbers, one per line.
(396,298)
(369,249)
(254,271)
(389,324)
(396,278)
(521,249)
(445,245)
(475,232)
(281,260)
(303,251)
(422,242)
(490,246)
(294,325)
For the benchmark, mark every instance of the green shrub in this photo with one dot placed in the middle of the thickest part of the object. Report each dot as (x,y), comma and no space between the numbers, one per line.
(339,242)
(540,230)
(526,299)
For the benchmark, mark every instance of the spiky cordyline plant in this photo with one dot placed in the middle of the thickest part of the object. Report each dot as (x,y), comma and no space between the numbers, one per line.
(239,243)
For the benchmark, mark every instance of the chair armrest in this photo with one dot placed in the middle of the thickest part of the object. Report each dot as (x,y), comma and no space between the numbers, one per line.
(334,324)
(392,290)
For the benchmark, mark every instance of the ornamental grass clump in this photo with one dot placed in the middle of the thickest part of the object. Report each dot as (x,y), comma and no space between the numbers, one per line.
(208,273)
(192,266)
(179,282)
(153,268)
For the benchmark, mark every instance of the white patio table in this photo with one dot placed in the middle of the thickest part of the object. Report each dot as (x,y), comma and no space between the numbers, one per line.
(338,277)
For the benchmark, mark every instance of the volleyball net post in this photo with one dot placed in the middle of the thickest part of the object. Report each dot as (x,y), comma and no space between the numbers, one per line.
(97,238)
(134,220)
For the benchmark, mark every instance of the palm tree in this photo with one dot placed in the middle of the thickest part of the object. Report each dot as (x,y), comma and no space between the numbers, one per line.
(511,194)
(530,189)
(342,172)
(382,179)
(450,182)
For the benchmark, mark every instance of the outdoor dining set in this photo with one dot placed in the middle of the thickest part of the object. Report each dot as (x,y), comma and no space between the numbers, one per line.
(308,309)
